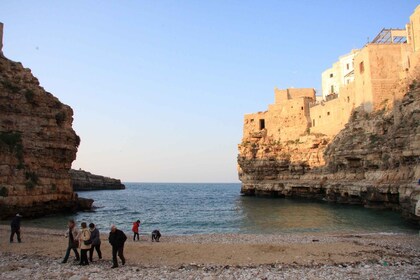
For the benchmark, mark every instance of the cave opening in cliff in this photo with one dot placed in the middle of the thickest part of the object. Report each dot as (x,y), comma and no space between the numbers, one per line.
(262,124)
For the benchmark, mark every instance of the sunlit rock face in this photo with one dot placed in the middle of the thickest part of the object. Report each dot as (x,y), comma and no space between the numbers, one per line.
(360,147)
(37,146)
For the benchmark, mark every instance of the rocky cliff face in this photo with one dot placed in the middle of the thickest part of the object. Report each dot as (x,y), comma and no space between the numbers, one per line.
(37,146)
(373,161)
(85,181)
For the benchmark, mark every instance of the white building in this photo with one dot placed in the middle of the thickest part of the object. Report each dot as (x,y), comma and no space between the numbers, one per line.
(340,74)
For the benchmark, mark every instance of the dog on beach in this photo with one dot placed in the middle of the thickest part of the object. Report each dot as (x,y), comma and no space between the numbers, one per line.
(156,235)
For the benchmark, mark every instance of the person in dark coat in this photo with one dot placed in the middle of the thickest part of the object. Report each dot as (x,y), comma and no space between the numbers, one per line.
(156,235)
(117,239)
(15,228)
(96,241)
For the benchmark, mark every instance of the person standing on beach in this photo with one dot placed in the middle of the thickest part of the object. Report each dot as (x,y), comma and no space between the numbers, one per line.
(85,243)
(117,239)
(135,229)
(15,228)
(72,234)
(96,241)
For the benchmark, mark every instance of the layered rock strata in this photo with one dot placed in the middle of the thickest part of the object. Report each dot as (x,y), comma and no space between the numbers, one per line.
(373,161)
(85,181)
(37,146)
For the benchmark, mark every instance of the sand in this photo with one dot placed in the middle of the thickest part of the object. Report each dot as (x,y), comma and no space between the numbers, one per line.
(228,256)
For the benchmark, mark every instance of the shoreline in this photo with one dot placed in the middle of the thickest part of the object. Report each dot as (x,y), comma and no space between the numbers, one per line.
(227,256)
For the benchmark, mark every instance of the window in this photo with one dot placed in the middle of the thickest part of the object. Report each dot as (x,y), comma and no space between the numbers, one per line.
(362,67)
(301,108)
(328,113)
(348,66)
(332,89)
(348,99)
(313,122)
(331,75)
(262,124)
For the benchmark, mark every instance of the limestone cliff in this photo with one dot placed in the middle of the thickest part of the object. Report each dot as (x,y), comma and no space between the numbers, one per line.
(373,161)
(37,146)
(362,146)
(85,181)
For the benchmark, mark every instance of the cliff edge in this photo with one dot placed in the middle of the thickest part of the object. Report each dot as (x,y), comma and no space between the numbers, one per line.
(37,146)
(358,146)
(373,161)
(85,181)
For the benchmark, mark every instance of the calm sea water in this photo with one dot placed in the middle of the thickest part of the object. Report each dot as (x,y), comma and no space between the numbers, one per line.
(219,208)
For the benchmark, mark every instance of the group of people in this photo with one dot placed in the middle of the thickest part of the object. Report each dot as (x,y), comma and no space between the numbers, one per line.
(88,240)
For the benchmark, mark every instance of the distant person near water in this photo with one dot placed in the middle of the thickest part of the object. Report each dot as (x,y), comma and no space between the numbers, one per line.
(96,241)
(72,234)
(85,243)
(156,235)
(117,239)
(15,228)
(135,229)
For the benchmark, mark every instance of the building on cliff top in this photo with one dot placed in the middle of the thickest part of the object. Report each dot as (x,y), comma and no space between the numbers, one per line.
(287,117)
(1,37)
(370,79)
(340,74)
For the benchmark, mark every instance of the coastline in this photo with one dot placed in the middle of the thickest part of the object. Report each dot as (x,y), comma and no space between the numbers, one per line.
(226,256)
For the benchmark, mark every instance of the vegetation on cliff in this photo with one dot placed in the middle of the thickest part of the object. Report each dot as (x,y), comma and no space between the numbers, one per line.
(37,146)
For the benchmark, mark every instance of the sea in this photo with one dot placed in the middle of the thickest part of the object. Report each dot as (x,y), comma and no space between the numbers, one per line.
(183,209)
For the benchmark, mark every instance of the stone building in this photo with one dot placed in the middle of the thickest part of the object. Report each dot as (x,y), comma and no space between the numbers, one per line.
(1,37)
(286,118)
(340,74)
(368,79)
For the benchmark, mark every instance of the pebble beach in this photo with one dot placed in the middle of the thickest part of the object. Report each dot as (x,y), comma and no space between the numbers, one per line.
(221,256)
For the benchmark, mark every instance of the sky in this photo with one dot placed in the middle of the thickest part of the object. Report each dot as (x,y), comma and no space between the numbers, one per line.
(159,88)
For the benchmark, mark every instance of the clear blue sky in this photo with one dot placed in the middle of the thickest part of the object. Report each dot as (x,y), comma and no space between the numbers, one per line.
(159,88)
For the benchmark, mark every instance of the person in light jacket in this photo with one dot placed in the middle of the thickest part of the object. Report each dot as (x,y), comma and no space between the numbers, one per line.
(96,241)
(72,234)
(84,244)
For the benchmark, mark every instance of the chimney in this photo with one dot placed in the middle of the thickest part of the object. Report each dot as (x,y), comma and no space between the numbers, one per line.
(1,37)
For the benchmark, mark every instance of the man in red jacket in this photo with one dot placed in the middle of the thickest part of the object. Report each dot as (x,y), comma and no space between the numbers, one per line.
(135,229)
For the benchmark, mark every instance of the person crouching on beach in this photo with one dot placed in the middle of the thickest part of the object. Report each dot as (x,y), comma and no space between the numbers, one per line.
(15,228)
(72,234)
(96,241)
(85,243)
(135,229)
(117,239)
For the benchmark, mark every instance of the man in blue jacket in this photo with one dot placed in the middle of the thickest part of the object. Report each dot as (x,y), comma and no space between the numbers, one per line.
(96,241)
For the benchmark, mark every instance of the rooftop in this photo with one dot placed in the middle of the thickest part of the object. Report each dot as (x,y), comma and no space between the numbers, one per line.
(391,36)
